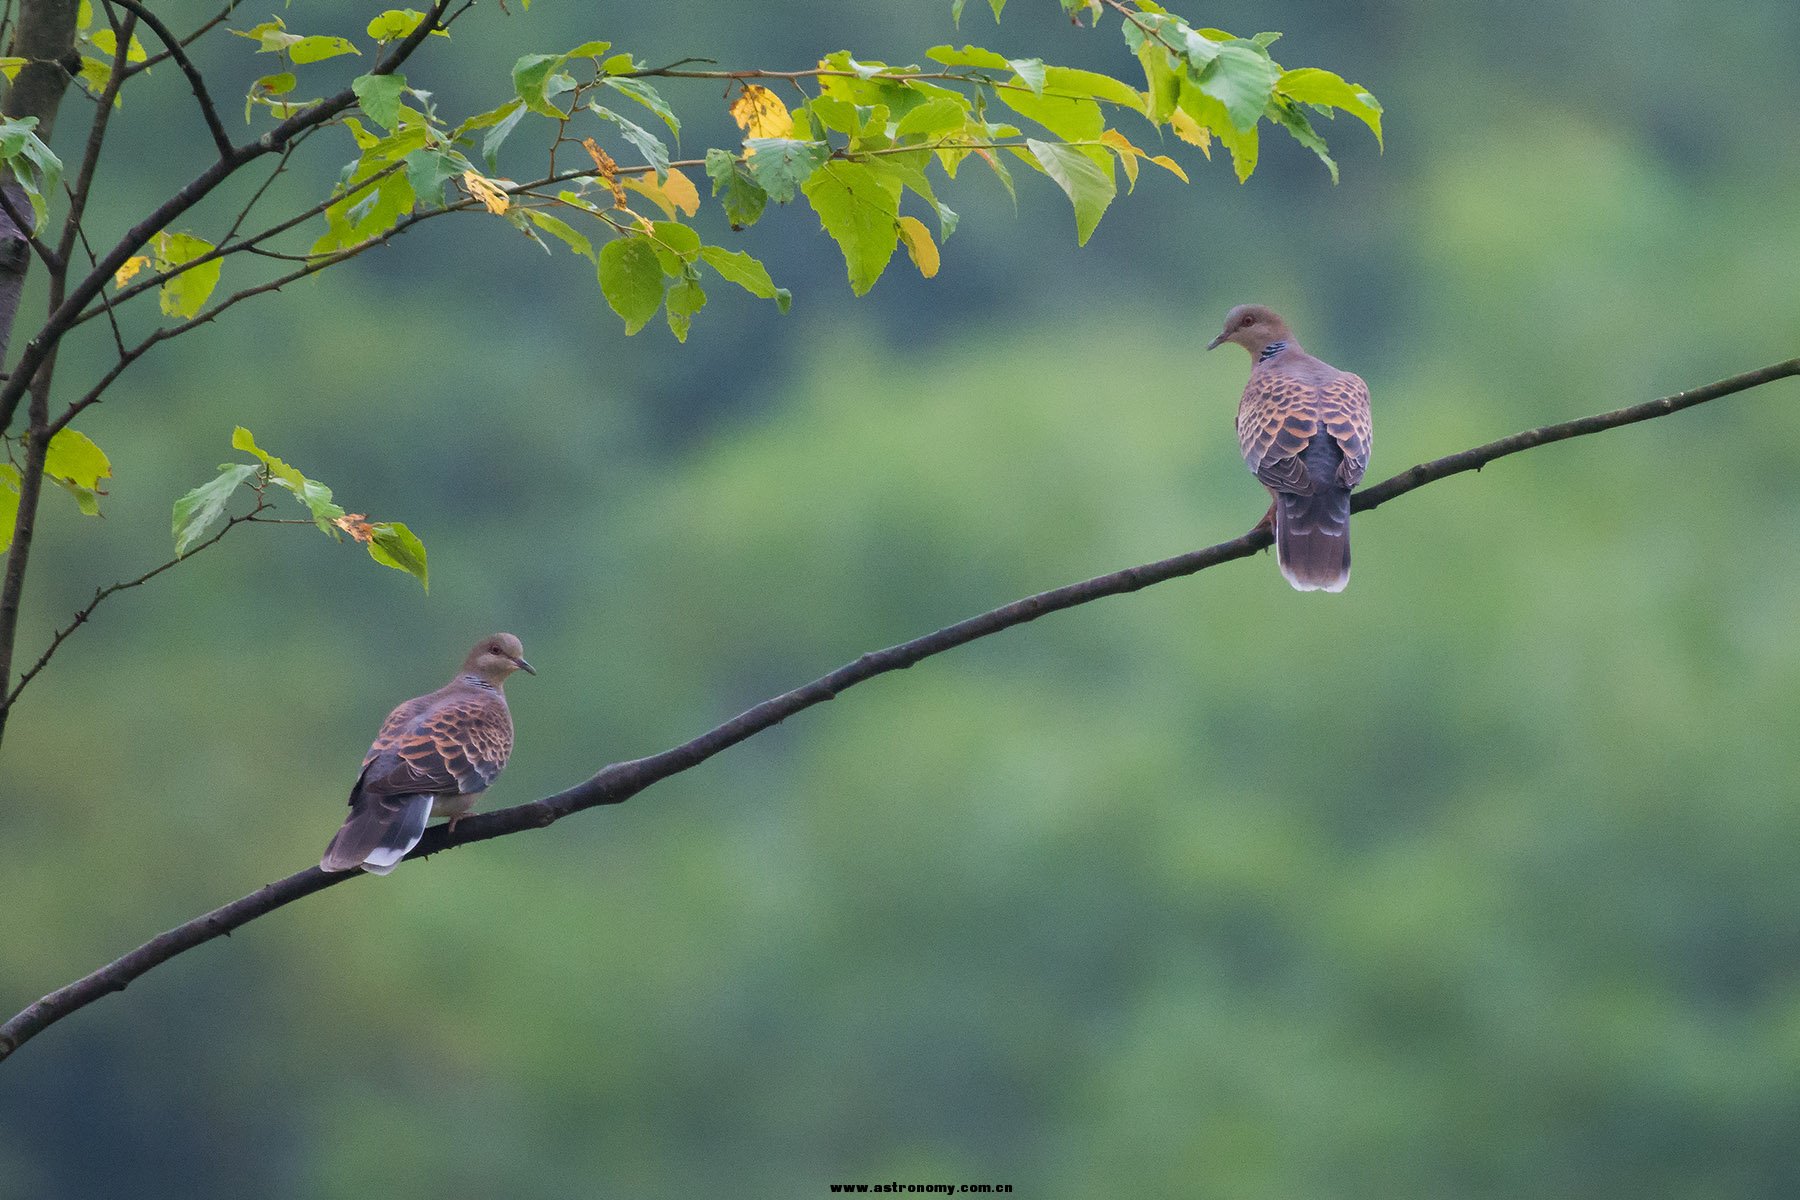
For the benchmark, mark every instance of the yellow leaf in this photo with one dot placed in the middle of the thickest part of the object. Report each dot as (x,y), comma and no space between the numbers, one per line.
(680,189)
(128,268)
(1190,130)
(646,185)
(1170,165)
(1128,154)
(487,191)
(919,246)
(760,113)
(676,192)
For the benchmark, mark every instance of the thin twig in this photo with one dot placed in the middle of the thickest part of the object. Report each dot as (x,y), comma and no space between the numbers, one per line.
(62,319)
(620,781)
(100,595)
(112,319)
(90,157)
(163,55)
(208,111)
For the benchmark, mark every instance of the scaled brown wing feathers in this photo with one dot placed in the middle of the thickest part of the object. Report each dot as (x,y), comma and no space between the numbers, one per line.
(1275,422)
(455,744)
(1344,407)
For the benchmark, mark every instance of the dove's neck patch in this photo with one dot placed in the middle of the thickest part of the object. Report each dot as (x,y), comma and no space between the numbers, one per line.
(1271,350)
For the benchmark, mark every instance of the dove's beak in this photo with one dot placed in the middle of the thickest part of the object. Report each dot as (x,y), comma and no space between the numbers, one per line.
(1216,342)
(525,666)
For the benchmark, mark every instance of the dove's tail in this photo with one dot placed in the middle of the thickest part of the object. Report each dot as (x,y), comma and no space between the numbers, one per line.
(1312,529)
(378,832)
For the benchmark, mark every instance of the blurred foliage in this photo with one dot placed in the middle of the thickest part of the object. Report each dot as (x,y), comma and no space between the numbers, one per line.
(1477,880)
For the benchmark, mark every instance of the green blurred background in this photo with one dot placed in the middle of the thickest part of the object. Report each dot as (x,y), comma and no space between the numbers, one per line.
(1481,879)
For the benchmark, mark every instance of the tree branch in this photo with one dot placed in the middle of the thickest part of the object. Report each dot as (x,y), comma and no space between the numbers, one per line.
(219,18)
(100,595)
(62,319)
(173,47)
(618,782)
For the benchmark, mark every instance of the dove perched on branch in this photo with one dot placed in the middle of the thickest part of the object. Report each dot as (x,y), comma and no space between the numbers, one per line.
(1303,426)
(433,756)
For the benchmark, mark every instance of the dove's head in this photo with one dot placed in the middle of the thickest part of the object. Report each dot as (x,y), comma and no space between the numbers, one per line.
(1253,327)
(496,657)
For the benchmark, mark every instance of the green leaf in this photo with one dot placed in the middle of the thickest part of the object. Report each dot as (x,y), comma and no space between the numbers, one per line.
(279,84)
(379,96)
(394,545)
(429,170)
(1093,86)
(839,116)
(1089,184)
(107,42)
(186,293)
(1243,143)
(647,143)
(35,168)
(1071,119)
(271,36)
(589,50)
(737,267)
(1030,72)
(201,509)
(779,165)
(686,297)
(968,56)
(531,77)
(310,492)
(1241,78)
(73,457)
(488,119)
(1294,121)
(560,229)
(9,503)
(632,280)
(743,196)
(490,145)
(647,96)
(858,209)
(1310,85)
(318,49)
(676,246)
(933,119)
(396,23)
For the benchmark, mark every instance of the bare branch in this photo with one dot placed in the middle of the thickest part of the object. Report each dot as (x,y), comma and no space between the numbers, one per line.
(31,488)
(223,15)
(173,47)
(620,781)
(90,157)
(81,617)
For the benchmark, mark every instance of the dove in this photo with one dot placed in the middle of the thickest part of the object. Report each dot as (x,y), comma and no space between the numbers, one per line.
(433,756)
(1303,427)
